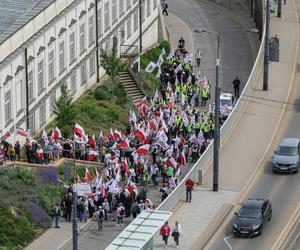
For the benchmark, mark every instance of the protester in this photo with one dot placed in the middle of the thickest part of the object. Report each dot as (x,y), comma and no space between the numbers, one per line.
(100,217)
(165,8)
(236,86)
(176,232)
(189,184)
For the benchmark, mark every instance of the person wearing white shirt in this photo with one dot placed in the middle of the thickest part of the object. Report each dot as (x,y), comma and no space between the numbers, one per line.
(176,232)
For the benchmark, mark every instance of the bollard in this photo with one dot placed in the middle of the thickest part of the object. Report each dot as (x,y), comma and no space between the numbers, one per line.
(200,177)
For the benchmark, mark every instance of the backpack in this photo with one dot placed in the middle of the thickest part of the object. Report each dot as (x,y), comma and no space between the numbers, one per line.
(122,212)
(100,214)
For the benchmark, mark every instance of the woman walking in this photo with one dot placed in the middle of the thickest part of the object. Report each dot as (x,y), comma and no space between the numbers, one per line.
(176,232)
(165,233)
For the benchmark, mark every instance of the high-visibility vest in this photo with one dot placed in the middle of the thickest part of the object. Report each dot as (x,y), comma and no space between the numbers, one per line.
(177,88)
(204,93)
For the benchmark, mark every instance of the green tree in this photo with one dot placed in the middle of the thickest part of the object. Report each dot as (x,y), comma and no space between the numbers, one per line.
(65,111)
(111,63)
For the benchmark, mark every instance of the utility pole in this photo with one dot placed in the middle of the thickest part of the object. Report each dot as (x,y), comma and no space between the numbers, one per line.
(27,90)
(141,26)
(266,58)
(251,8)
(217,123)
(74,219)
(279,8)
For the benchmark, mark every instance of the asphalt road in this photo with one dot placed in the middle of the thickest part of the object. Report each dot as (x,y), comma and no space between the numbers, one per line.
(282,189)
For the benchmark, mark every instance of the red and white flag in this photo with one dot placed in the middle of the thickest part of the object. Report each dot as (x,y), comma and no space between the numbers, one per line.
(171,162)
(126,168)
(111,134)
(78,130)
(92,142)
(141,133)
(143,102)
(21,132)
(92,155)
(153,124)
(143,150)
(88,176)
(56,134)
(117,135)
(124,143)
(182,158)
(78,179)
(164,126)
(44,135)
(163,144)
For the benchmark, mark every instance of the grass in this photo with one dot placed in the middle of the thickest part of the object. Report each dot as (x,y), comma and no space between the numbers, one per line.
(27,202)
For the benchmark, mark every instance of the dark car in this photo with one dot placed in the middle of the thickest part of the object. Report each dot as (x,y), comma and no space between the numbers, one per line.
(287,156)
(251,218)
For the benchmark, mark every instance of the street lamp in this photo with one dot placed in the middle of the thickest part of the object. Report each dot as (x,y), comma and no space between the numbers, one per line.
(217,104)
(267,48)
(74,219)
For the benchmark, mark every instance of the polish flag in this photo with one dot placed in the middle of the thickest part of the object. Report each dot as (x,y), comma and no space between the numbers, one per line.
(56,134)
(132,187)
(170,104)
(126,168)
(101,136)
(143,102)
(44,135)
(7,134)
(92,155)
(111,134)
(92,142)
(164,126)
(171,162)
(124,143)
(117,135)
(143,150)
(142,135)
(78,179)
(182,158)
(78,130)
(97,177)
(153,124)
(163,144)
(88,176)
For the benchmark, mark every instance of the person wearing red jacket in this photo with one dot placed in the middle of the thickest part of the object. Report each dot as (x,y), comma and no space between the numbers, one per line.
(165,232)
(189,187)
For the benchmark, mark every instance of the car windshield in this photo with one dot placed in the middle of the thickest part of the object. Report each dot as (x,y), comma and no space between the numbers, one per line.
(248,212)
(226,102)
(287,151)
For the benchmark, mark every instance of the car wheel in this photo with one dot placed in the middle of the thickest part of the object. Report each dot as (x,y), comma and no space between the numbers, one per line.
(270,216)
(260,230)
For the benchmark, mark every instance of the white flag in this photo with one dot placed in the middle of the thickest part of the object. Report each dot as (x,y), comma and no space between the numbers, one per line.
(160,61)
(171,54)
(158,73)
(163,51)
(151,66)
(179,67)
(188,58)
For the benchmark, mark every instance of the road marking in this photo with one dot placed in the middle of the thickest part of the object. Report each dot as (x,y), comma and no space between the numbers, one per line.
(226,241)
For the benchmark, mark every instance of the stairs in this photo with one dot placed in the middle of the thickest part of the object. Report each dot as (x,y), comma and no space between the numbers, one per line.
(131,87)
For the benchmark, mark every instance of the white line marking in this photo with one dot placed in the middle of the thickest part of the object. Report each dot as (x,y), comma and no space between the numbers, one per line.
(227,243)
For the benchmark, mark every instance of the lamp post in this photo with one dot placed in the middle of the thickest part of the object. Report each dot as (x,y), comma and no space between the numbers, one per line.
(217,105)
(279,8)
(141,26)
(74,219)
(266,56)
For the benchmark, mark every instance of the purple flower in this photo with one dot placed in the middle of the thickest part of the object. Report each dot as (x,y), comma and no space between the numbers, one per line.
(38,215)
(48,174)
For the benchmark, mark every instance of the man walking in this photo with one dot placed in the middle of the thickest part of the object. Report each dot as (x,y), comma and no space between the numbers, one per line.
(165,233)
(165,8)
(236,85)
(176,232)
(57,215)
(189,184)
(100,217)
(198,57)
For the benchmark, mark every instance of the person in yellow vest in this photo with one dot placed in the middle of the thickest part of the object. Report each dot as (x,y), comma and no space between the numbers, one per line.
(204,96)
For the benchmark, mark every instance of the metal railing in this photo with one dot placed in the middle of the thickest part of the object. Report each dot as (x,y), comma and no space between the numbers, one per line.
(129,51)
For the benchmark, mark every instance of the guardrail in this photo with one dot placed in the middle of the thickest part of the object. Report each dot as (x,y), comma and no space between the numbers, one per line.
(202,163)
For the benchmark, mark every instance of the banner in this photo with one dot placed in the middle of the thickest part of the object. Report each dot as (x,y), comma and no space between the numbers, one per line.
(83,189)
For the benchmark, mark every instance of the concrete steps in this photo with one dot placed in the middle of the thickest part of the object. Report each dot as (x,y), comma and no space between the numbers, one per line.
(131,87)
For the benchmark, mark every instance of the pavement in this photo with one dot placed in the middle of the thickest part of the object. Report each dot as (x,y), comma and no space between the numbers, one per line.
(184,15)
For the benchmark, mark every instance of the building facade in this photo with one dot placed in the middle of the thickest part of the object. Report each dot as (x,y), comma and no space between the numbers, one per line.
(59,45)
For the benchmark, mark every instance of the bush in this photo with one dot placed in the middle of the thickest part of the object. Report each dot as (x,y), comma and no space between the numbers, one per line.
(121,95)
(38,215)
(113,114)
(165,44)
(102,93)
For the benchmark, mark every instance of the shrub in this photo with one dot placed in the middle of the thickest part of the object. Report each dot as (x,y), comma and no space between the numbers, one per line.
(121,95)
(48,174)
(102,93)
(113,114)
(38,215)
(165,44)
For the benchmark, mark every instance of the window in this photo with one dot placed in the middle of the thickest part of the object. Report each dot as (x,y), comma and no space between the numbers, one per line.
(51,65)
(82,38)
(135,20)
(40,76)
(106,16)
(99,21)
(30,86)
(83,73)
(73,83)
(148,7)
(122,32)
(19,94)
(42,114)
(91,30)
(143,12)
(31,124)
(128,27)
(61,52)
(92,65)
(72,48)
(52,103)
(7,100)
(128,5)
(114,11)
(121,8)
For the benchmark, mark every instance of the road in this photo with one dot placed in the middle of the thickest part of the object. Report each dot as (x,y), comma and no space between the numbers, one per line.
(282,189)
